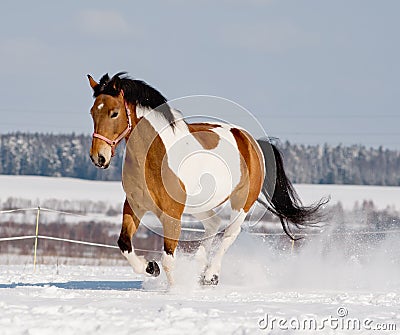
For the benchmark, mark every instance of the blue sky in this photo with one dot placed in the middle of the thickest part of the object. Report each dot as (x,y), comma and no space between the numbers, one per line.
(310,71)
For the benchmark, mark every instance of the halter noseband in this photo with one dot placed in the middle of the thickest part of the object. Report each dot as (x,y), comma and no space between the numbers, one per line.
(113,143)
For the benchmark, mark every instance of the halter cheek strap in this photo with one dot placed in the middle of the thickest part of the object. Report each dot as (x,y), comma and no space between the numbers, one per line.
(113,143)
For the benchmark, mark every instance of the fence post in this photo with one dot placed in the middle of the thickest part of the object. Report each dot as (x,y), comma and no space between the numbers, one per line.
(36,238)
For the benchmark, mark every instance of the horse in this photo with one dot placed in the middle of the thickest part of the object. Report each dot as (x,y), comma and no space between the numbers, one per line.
(165,162)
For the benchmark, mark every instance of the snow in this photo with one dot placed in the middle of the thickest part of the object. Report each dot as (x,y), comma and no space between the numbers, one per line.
(260,279)
(348,195)
(40,189)
(256,282)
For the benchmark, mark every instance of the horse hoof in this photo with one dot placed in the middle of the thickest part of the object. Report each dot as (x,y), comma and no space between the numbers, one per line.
(213,281)
(153,269)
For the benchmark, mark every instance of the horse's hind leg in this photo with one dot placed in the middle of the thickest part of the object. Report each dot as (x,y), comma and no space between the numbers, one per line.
(211,275)
(130,223)
(211,222)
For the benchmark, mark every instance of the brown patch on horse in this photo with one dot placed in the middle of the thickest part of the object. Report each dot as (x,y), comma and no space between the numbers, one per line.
(203,133)
(252,168)
(166,189)
(152,185)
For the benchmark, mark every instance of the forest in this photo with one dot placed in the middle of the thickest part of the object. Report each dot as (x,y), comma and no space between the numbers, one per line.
(67,155)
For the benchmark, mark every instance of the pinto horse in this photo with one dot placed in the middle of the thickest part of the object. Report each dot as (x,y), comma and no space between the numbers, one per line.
(166,164)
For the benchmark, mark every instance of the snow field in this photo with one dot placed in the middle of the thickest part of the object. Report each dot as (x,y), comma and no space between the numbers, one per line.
(39,189)
(259,277)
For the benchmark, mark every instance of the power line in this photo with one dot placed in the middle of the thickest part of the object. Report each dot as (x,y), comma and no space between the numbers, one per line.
(325,117)
(73,109)
(340,133)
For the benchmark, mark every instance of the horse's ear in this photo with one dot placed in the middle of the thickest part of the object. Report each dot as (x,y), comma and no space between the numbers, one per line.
(92,82)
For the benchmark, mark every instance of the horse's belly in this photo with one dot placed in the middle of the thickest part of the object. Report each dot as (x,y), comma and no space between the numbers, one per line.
(206,185)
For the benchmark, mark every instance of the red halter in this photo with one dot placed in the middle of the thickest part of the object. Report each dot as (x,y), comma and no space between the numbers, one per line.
(113,143)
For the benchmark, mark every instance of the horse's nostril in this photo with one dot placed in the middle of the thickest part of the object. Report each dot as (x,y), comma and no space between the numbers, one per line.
(101,160)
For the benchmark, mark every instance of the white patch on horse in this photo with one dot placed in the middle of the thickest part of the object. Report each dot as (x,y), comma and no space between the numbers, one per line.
(211,222)
(138,263)
(100,106)
(209,176)
(230,235)
(168,263)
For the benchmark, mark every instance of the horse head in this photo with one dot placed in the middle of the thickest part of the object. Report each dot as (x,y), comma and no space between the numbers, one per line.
(111,119)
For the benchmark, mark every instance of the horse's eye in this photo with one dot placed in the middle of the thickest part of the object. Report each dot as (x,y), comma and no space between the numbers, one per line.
(114,115)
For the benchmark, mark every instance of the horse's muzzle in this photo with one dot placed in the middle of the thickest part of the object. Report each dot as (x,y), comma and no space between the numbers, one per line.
(100,161)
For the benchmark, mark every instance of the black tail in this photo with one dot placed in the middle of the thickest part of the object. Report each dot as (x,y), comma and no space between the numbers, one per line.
(282,198)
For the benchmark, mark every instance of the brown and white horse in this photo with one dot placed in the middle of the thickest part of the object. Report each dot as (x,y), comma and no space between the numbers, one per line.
(172,167)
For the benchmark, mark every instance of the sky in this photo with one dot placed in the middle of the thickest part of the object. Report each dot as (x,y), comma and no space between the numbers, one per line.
(309,71)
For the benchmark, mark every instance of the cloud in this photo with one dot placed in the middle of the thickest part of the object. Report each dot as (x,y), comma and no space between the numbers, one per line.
(103,23)
(268,37)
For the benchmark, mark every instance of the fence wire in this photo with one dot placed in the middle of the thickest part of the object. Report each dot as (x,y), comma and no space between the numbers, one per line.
(36,237)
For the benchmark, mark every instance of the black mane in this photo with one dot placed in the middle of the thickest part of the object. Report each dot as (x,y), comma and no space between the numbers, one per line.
(135,92)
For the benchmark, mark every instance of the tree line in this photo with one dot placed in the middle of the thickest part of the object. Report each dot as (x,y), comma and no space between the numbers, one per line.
(352,165)
(67,155)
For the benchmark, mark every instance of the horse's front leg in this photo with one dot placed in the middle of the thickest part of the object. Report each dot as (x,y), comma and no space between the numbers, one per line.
(130,224)
(172,231)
